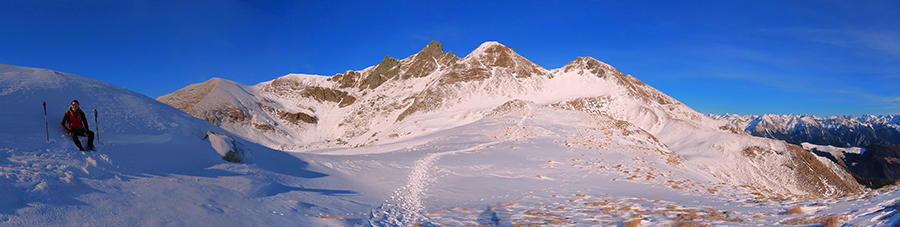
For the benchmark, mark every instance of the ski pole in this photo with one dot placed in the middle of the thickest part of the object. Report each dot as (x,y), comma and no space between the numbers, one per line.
(97,125)
(46,127)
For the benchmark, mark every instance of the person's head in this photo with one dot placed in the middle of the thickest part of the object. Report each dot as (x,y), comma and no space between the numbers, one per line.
(74,105)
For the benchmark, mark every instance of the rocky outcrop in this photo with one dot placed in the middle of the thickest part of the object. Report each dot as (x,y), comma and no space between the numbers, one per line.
(230,149)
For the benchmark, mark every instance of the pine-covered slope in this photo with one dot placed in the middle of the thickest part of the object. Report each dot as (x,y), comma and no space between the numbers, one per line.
(433,90)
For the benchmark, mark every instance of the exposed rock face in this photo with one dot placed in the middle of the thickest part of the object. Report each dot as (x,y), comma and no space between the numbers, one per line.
(288,86)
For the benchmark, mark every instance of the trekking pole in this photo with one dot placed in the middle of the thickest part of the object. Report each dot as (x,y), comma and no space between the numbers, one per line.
(97,125)
(46,127)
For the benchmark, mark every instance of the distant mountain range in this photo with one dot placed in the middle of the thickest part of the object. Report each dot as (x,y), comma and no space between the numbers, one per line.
(840,131)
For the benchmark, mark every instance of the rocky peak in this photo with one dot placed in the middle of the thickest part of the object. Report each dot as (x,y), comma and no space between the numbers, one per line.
(429,59)
(494,54)
(426,61)
(583,65)
(492,59)
(384,71)
(433,49)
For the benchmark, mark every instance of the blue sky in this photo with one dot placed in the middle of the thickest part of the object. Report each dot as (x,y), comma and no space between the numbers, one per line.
(755,57)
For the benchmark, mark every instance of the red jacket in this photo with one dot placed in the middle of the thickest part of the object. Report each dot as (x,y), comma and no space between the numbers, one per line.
(75,121)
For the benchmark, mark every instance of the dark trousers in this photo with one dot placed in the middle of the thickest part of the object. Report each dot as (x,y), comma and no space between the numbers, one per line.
(83,132)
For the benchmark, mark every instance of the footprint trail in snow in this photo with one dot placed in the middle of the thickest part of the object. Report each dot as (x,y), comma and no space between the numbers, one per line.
(409,209)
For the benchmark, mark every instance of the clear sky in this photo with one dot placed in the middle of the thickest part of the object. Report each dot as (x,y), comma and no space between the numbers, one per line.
(745,57)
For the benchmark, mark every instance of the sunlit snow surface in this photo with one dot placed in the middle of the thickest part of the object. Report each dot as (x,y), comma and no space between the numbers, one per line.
(531,165)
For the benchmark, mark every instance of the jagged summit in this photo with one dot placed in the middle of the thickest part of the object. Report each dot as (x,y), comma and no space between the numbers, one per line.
(434,48)
(426,61)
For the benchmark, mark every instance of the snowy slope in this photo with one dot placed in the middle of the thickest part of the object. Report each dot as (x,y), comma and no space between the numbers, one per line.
(520,163)
(153,167)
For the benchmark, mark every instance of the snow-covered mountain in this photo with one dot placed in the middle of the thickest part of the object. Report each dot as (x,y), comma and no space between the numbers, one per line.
(432,91)
(520,163)
(841,131)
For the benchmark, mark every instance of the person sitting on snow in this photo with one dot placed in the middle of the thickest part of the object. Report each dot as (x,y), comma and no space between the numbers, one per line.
(77,126)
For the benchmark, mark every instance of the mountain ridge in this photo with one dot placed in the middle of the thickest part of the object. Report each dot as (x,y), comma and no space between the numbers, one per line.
(391,104)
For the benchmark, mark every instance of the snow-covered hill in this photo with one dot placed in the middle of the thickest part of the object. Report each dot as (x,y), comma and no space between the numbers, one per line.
(519,163)
(841,131)
(155,164)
